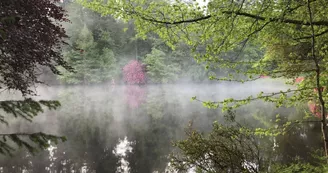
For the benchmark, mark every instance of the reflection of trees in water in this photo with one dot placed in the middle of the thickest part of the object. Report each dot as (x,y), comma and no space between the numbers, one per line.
(121,150)
(135,95)
(90,141)
(93,130)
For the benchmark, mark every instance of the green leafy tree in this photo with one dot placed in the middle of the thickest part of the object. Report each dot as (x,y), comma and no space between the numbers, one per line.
(158,70)
(96,42)
(181,57)
(92,63)
(190,69)
(225,149)
(293,33)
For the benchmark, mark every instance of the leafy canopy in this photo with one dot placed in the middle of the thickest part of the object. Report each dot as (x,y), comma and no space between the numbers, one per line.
(293,34)
(95,42)
(158,70)
(282,28)
(92,63)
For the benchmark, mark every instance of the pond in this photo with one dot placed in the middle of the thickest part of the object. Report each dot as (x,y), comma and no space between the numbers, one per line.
(117,128)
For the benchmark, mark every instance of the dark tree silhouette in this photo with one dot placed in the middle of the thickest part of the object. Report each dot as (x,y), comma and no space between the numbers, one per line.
(31,37)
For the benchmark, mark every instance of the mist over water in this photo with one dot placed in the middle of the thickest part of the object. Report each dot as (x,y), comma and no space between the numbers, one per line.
(146,119)
(132,94)
(125,102)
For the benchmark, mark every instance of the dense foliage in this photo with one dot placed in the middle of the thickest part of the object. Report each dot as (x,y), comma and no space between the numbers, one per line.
(293,34)
(92,51)
(134,73)
(31,40)
(225,149)
(104,49)
(158,70)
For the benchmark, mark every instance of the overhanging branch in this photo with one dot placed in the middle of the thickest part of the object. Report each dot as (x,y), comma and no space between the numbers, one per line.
(238,13)
(310,36)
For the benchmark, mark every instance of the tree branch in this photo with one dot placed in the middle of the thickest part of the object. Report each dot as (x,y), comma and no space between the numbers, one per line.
(237,13)
(310,36)
(281,20)
(318,85)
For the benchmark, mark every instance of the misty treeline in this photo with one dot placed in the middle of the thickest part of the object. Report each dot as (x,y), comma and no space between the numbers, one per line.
(129,69)
(101,46)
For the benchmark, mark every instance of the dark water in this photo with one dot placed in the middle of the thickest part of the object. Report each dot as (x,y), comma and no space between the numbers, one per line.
(124,128)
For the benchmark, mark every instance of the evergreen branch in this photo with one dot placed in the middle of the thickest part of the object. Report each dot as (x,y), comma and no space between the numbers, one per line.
(30,141)
(27,108)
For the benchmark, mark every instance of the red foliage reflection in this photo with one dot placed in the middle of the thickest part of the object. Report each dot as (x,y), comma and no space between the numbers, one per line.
(135,95)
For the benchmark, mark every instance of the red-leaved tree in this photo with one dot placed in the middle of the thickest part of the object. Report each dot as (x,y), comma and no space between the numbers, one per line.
(315,109)
(134,73)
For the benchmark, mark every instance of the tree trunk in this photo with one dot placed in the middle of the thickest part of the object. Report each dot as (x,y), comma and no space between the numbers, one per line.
(318,85)
(323,115)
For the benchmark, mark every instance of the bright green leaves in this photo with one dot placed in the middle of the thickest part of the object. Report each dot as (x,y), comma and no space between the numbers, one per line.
(249,38)
(210,105)
(222,26)
(246,29)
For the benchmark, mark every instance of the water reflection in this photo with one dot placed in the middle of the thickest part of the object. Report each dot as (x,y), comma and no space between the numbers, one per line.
(121,151)
(124,128)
